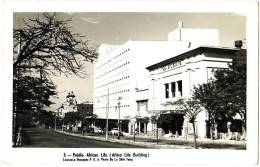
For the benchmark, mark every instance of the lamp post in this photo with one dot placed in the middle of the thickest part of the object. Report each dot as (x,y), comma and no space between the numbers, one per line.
(134,131)
(118,123)
(107,114)
(190,94)
(157,115)
(153,92)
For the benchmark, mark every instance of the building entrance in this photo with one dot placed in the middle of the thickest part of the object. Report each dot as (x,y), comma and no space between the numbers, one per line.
(172,123)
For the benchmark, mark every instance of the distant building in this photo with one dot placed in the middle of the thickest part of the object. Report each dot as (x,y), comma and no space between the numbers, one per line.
(85,108)
(70,105)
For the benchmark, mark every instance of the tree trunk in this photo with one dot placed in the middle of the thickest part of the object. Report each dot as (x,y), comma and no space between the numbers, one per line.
(194,134)
(243,137)
(212,127)
(211,131)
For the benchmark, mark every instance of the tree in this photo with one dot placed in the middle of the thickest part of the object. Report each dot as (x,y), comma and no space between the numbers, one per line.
(45,45)
(231,85)
(190,108)
(31,95)
(45,118)
(226,94)
(155,119)
(48,42)
(207,94)
(34,92)
(72,118)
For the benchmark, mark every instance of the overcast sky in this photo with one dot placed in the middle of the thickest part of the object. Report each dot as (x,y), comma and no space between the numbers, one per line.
(117,28)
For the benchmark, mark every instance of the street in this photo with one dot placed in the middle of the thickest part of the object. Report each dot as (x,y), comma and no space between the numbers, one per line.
(40,137)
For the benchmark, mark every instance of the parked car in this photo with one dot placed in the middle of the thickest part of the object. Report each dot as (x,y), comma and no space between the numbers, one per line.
(114,131)
(98,131)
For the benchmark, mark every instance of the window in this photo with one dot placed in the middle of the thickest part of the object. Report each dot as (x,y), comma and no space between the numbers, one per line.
(141,105)
(179,87)
(166,90)
(173,87)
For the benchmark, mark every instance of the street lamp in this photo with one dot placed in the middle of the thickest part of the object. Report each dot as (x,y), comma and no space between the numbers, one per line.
(107,111)
(154,80)
(157,115)
(190,95)
(190,81)
(118,134)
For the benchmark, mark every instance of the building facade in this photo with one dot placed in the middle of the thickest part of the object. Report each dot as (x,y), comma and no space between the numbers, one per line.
(120,71)
(175,78)
(70,105)
(132,81)
(85,108)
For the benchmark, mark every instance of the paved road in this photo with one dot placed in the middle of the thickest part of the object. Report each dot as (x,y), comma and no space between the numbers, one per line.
(39,137)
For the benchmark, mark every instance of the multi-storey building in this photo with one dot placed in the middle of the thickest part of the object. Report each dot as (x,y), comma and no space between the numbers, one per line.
(175,78)
(85,108)
(120,72)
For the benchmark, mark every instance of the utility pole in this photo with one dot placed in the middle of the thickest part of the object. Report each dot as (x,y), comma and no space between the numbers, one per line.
(107,114)
(134,131)
(190,96)
(157,135)
(118,134)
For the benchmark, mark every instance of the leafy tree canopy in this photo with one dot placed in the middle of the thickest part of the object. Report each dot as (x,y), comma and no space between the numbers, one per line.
(33,93)
(72,118)
(226,94)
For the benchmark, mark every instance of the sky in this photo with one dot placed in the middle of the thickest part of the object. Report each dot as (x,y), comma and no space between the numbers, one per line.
(117,28)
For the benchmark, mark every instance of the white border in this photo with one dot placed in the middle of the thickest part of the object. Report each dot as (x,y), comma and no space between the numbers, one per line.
(48,156)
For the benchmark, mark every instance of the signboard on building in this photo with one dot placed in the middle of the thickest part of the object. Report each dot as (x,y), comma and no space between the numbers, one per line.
(171,65)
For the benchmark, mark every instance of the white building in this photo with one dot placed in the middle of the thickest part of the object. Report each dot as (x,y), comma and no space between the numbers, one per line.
(174,78)
(120,70)
(70,105)
(120,73)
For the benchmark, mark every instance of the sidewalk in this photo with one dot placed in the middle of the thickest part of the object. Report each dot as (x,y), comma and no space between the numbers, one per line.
(168,142)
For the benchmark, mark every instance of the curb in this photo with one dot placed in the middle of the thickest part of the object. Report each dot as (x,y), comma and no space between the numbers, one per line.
(148,145)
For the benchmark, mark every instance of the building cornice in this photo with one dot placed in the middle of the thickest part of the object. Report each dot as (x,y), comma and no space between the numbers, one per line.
(194,52)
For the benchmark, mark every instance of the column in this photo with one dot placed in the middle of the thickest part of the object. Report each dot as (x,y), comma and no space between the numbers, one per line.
(176,90)
(185,130)
(149,128)
(130,128)
(139,127)
(145,131)
(179,84)
(170,90)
